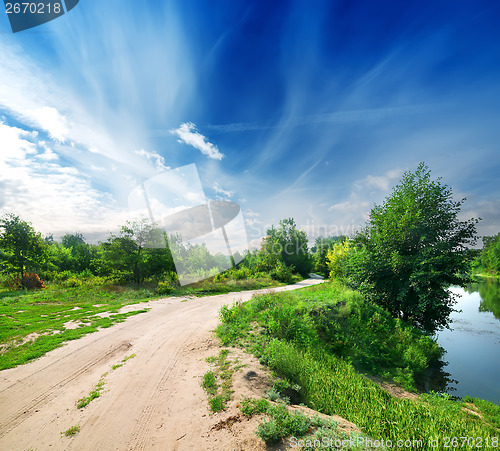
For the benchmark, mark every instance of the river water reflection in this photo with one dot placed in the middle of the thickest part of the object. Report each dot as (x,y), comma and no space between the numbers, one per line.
(471,365)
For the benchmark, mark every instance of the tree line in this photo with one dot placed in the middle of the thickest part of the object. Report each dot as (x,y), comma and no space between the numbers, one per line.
(140,252)
(411,250)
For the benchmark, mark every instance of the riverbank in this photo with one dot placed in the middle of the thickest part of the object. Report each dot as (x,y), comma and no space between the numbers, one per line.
(305,337)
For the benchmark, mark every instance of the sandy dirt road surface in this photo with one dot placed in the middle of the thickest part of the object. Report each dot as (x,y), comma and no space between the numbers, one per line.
(153,402)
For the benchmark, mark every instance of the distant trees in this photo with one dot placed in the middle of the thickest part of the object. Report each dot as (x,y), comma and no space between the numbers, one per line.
(413,248)
(22,248)
(286,244)
(488,260)
(139,251)
(320,250)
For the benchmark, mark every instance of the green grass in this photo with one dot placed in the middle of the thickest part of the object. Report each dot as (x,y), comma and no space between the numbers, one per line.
(98,389)
(124,360)
(210,287)
(291,332)
(489,411)
(95,393)
(33,323)
(337,319)
(210,383)
(218,382)
(73,430)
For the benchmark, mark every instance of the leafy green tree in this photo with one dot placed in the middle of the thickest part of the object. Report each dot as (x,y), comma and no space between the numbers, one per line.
(488,260)
(82,253)
(23,248)
(319,251)
(413,248)
(139,251)
(287,244)
(336,258)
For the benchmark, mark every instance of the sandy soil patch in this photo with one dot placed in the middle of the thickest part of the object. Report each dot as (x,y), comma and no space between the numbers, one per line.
(153,402)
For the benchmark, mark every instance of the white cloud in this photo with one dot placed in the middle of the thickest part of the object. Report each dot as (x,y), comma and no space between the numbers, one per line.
(48,155)
(379,182)
(348,206)
(14,143)
(49,119)
(154,157)
(55,198)
(188,134)
(222,194)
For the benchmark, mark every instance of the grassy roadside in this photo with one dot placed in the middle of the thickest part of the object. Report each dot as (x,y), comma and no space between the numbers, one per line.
(35,322)
(217,382)
(290,333)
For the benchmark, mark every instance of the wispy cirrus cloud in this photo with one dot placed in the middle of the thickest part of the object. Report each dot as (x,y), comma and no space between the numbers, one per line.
(325,118)
(154,157)
(188,134)
(221,193)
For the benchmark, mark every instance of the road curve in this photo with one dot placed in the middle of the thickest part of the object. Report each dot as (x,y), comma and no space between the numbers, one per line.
(154,401)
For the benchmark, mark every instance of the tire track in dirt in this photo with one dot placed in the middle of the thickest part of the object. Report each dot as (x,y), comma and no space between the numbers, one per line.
(154,401)
(29,408)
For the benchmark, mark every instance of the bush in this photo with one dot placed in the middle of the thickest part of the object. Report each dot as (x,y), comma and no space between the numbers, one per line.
(282,273)
(31,281)
(72,282)
(164,288)
(241,273)
(169,284)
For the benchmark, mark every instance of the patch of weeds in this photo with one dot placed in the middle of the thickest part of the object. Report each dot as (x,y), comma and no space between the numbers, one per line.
(273,394)
(131,356)
(123,361)
(210,383)
(96,393)
(73,430)
(318,433)
(330,439)
(282,423)
(280,389)
(217,403)
(253,406)
(490,411)
(218,382)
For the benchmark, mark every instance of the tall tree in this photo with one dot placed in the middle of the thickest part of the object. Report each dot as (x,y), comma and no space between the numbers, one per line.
(81,252)
(22,247)
(288,244)
(319,251)
(139,251)
(413,248)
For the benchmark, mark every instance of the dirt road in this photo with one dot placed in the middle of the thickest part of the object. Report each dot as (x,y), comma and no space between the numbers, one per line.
(154,401)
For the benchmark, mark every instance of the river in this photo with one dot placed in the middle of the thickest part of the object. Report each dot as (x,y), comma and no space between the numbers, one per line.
(471,364)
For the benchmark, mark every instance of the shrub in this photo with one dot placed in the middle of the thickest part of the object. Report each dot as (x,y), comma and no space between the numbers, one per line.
(164,288)
(241,273)
(72,282)
(169,283)
(31,281)
(282,273)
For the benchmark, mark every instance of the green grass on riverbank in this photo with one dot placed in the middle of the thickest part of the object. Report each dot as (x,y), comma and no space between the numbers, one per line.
(339,320)
(317,338)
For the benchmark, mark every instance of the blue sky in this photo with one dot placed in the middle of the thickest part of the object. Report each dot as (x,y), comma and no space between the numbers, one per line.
(310,110)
